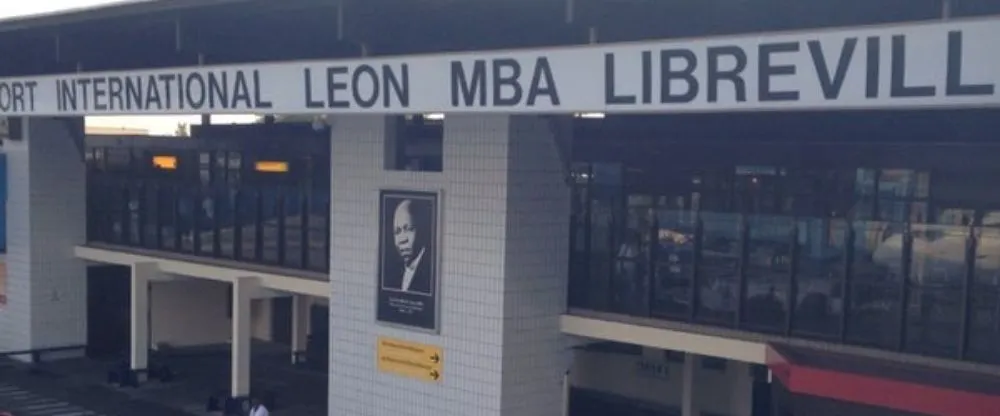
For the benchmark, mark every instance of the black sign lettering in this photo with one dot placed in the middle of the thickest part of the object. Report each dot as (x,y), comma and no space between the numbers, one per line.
(832,85)
(955,86)
(543,83)
(716,75)
(398,84)
(241,92)
(218,91)
(502,85)
(153,94)
(115,101)
(611,96)
(310,101)
(198,91)
(767,70)
(505,74)
(17,96)
(366,74)
(470,89)
(258,97)
(668,74)
(194,91)
(898,87)
(364,86)
(167,80)
(333,74)
(647,77)
(100,93)
(874,62)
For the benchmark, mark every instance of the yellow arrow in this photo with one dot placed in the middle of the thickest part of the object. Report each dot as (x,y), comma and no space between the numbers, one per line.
(435,359)
(435,375)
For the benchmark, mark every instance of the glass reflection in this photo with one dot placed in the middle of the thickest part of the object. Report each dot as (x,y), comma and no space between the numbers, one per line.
(204,205)
(863,256)
(768,271)
(984,308)
(675,262)
(875,288)
(719,267)
(819,303)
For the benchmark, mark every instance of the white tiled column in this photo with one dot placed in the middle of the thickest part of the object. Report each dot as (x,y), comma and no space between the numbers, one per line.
(46,218)
(141,275)
(503,271)
(300,324)
(243,290)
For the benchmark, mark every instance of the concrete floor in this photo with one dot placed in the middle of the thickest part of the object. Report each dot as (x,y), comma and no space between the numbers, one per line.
(79,386)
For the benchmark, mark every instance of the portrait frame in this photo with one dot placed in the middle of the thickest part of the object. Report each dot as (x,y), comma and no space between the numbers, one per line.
(418,306)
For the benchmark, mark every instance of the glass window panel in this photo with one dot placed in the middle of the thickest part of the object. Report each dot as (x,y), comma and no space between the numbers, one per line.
(984,313)
(819,302)
(225,203)
(294,232)
(718,285)
(168,204)
(865,180)
(873,311)
(318,230)
(632,267)
(933,319)
(675,258)
(984,324)
(151,214)
(188,213)
(768,271)
(937,276)
(247,212)
(269,221)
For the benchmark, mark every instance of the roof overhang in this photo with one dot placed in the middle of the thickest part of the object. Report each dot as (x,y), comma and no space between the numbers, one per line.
(883,384)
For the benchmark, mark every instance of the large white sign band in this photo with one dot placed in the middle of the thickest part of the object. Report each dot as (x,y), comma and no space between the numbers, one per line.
(944,64)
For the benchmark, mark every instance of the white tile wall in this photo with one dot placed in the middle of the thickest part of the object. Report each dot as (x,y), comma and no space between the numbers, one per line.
(504,263)
(46,218)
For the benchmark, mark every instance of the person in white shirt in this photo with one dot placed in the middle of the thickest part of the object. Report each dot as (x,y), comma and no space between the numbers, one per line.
(257,408)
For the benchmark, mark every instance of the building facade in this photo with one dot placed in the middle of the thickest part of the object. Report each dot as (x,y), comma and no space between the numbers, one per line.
(574,207)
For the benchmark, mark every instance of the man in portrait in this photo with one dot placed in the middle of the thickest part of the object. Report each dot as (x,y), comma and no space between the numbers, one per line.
(411,230)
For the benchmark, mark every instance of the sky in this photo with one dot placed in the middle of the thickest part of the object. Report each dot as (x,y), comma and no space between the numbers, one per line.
(154,124)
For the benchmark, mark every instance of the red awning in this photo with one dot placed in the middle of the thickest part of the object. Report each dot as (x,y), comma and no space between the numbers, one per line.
(880,383)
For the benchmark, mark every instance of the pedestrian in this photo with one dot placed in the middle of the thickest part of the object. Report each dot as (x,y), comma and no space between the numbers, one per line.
(256,409)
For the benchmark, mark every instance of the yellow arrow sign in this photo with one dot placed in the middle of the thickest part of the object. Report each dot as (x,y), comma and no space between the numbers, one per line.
(410,359)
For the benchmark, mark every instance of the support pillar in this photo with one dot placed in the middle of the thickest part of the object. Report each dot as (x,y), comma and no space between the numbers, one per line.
(300,327)
(504,208)
(243,290)
(689,406)
(46,289)
(139,362)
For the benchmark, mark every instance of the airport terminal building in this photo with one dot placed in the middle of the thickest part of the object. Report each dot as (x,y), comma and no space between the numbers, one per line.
(516,208)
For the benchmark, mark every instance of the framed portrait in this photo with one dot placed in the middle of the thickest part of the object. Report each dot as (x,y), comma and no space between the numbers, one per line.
(408,262)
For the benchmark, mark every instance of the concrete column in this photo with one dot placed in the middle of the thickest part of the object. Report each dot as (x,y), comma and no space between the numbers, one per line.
(741,403)
(243,290)
(503,271)
(46,218)
(141,275)
(300,325)
(689,404)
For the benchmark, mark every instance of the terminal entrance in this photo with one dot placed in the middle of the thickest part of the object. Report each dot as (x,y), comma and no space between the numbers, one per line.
(108,331)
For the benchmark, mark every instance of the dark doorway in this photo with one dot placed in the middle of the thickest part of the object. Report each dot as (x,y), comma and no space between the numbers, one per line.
(108,303)
(586,402)
(318,346)
(281,320)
